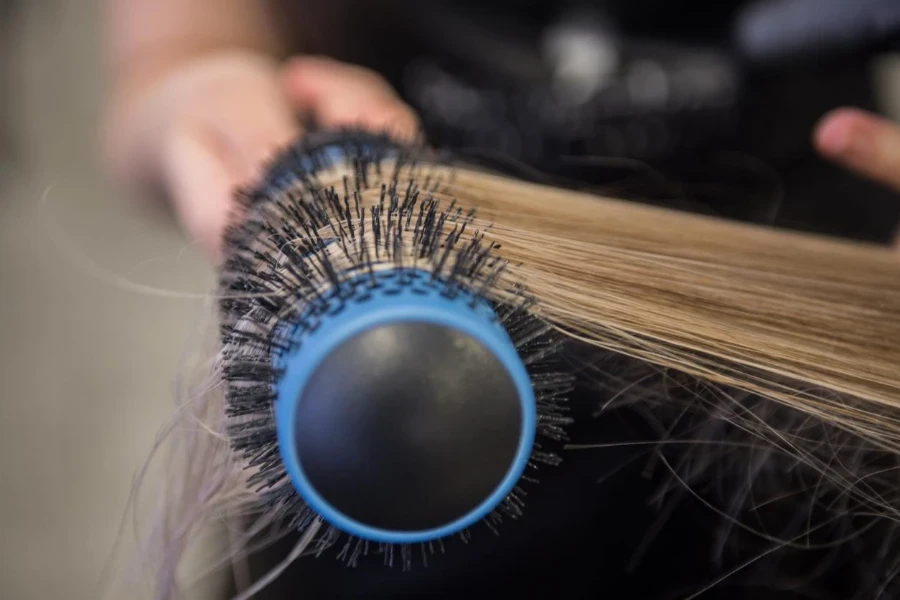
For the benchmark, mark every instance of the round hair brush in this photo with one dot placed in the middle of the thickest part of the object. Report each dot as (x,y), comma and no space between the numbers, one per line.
(385,373)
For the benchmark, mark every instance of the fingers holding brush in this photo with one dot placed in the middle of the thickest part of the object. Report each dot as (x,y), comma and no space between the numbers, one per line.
(199,129)
(219,142)
(336,94)
(208,126)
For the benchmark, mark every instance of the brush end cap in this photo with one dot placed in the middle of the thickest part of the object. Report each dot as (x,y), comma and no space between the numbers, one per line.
(405,414)
(408,427)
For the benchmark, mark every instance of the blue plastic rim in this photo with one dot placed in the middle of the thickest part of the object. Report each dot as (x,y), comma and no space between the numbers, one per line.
(333,152)
(402,304)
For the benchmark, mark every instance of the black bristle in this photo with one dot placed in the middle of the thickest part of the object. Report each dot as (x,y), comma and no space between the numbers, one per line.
(282,275)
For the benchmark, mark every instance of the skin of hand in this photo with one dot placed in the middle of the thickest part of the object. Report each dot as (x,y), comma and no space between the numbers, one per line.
(206,127)
(864,143)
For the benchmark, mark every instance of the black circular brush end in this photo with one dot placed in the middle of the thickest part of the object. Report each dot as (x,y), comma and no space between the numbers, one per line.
(408,426)
(405,417)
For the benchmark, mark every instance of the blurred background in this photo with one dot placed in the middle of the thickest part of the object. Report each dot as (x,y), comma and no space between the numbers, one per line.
(87,370)
(88,367)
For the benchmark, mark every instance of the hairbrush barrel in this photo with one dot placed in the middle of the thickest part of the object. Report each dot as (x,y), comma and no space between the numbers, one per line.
(382,373)
(406,415)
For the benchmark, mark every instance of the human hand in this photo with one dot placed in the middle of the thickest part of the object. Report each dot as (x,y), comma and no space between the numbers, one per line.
(208,125)
(864,143)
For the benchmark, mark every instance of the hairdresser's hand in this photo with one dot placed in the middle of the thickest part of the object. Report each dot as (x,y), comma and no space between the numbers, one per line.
(864,143)
(205,126)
